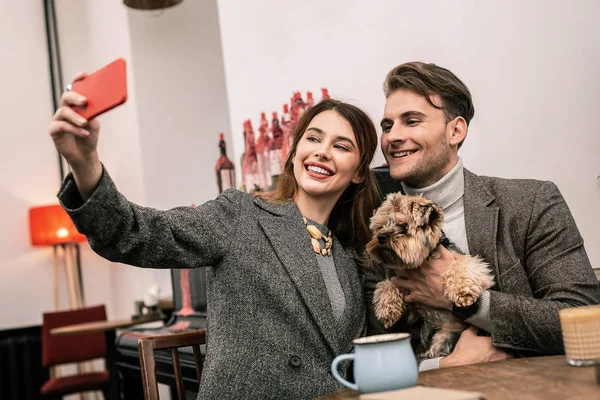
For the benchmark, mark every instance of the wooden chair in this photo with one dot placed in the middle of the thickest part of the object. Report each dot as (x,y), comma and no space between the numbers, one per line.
(147,346)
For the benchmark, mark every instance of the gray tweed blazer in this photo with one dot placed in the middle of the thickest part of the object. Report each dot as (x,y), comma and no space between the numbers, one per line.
(523,228)
(525,231)
(271,330)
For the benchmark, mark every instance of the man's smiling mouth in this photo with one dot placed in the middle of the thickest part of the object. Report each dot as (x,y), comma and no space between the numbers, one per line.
(401,154)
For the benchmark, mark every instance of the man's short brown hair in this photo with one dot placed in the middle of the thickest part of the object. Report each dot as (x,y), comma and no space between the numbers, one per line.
(430,79)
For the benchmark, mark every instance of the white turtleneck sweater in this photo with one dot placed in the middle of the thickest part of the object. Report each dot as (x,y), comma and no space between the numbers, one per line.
(448,193)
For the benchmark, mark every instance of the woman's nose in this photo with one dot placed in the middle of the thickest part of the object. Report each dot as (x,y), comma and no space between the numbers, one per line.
(322,154)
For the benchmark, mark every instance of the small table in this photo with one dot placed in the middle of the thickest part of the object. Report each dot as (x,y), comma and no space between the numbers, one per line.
(103,326)
(521,378)
(108,327)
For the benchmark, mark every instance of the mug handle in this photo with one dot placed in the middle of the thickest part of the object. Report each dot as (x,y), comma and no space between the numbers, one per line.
(336,375)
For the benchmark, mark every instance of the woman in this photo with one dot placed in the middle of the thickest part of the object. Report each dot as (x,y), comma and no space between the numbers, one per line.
(284,293)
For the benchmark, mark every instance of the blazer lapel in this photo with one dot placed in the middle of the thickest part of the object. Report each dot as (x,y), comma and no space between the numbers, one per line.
(283,226)
(348,274)
(481,220)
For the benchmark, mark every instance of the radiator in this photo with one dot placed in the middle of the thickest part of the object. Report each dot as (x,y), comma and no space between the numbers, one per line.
(21,371)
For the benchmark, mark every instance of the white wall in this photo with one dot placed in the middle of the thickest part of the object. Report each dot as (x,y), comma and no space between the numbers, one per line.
(181,103)
(29,173)
(532,68)
(160,147)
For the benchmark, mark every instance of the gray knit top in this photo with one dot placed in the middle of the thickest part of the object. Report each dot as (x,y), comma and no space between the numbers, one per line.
(331,279)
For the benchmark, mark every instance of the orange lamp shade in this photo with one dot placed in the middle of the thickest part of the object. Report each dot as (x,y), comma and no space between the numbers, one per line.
(49,225)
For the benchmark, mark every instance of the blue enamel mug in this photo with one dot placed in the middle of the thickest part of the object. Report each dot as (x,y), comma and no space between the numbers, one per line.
(381,362)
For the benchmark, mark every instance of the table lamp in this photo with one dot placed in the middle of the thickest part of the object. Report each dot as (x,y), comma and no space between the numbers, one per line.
(51,226)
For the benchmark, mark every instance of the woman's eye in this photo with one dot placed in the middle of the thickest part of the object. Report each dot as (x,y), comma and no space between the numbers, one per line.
(386,128)
(339,146)
(313,138)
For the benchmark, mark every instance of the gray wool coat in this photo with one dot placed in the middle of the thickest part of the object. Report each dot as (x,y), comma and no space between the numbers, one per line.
(271,332)
(523,228)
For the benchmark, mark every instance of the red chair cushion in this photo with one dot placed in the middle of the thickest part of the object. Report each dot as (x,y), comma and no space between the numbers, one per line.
(75,384)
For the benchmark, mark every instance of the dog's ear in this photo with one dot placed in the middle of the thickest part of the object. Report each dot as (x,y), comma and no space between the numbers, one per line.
(431,214)
(434,214)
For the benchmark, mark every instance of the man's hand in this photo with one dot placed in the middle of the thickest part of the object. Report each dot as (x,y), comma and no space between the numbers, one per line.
(425,284)
(473,349)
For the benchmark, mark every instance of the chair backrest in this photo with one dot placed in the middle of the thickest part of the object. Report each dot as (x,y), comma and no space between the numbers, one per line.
(147,345)
(72,348)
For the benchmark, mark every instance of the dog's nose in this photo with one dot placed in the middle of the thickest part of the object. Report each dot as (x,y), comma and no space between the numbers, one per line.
(382,239)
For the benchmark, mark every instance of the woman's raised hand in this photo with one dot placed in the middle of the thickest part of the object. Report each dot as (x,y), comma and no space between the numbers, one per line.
(76,139)
(74,136)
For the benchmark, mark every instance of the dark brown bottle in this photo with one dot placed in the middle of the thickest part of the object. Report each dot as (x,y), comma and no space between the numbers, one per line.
(224,168)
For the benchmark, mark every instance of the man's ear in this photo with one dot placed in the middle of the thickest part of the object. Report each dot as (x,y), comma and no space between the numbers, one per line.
(457,131)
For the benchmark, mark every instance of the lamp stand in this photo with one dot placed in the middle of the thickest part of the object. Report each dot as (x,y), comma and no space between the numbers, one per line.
(66,254)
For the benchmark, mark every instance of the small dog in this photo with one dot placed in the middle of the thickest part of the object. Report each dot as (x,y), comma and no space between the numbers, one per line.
(406,231)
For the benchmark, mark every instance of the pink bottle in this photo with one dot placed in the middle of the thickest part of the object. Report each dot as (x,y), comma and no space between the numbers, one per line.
(309,100)
(262,153)
(276,143)
(286,126)
(250,164)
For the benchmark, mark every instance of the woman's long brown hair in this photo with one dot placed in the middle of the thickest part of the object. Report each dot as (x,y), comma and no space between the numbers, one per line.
(349,219)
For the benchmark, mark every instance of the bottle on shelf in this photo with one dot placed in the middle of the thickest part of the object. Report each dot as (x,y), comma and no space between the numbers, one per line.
(275,145)
(224,168)
(286,126)
(309,100)
(298,107)
(250,165)
(262,153)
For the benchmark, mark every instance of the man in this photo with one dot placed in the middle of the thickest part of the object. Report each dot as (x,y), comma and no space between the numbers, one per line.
(522,228)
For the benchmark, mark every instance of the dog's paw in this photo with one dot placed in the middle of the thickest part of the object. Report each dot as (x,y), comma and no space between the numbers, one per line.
(388,303)
(465,279)
(465,297)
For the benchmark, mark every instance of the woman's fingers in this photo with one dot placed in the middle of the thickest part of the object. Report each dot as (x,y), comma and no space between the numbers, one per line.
(93,125)
(69,115)
(71,98)
(59,127)
(79,76)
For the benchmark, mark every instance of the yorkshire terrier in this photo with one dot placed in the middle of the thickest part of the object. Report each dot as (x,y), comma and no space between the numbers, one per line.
(406,232)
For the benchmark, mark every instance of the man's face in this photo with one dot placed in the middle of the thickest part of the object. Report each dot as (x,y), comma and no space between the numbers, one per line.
(415,139)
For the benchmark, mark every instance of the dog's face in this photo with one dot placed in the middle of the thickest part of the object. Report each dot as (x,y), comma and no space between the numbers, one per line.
(405,229)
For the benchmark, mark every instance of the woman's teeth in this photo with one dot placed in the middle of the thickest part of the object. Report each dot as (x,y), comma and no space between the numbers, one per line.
(318,170)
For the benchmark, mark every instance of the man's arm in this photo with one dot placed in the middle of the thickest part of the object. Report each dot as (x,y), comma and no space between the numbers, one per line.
(556,268)
(560,276)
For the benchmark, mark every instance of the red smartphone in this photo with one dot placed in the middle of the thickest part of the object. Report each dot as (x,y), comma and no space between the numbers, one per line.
(104,89)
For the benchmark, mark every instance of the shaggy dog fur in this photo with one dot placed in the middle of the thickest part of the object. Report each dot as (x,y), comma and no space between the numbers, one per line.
(406,231)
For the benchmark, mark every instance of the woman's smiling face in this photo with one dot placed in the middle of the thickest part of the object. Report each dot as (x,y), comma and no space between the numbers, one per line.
(327,157)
